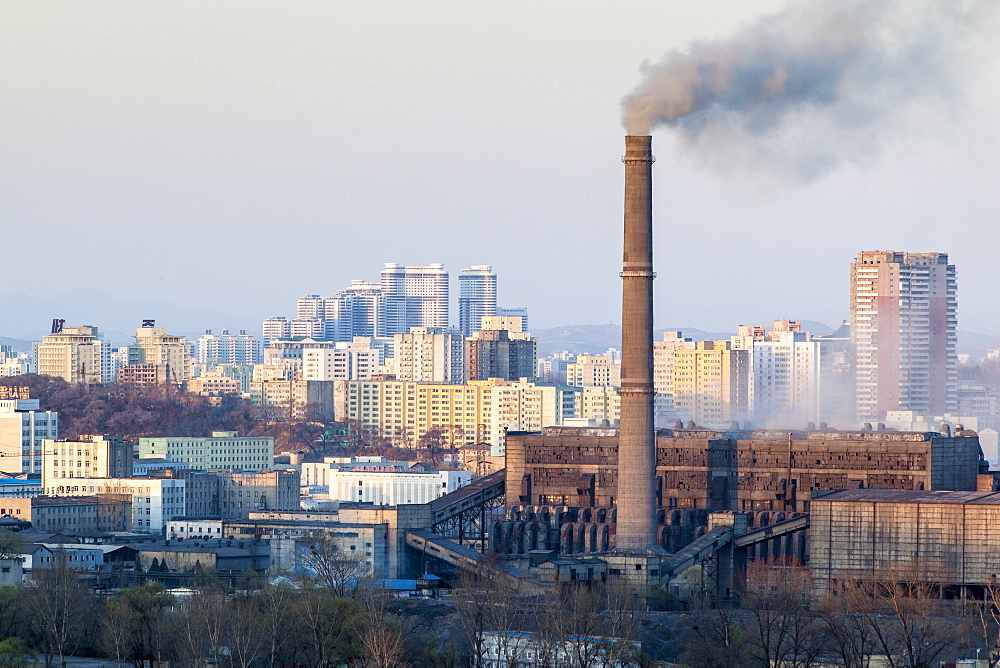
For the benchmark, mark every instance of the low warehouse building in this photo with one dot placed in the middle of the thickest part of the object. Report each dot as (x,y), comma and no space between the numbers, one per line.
(944,538)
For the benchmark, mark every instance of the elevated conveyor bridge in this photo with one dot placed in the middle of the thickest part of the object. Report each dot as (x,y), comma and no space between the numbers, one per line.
(464,514)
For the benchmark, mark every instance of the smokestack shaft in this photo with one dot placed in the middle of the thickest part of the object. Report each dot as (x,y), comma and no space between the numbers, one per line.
(636,524)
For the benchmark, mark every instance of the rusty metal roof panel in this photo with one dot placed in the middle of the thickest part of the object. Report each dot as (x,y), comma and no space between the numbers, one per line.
(909,496)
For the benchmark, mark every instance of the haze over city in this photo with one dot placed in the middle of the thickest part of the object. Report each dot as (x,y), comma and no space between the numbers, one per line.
(232,157)
(310,354)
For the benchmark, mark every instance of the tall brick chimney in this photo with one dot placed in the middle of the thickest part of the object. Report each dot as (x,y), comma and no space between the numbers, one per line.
(636,524)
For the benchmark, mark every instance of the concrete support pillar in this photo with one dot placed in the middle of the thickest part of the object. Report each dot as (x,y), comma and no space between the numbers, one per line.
(636,440)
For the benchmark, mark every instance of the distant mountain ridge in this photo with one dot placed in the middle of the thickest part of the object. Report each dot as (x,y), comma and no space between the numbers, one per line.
(19,345)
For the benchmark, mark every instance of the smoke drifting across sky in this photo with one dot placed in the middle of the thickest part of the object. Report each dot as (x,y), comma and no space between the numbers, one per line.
(821,83)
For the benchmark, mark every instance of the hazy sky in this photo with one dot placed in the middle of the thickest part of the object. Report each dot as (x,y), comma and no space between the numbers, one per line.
(237,155)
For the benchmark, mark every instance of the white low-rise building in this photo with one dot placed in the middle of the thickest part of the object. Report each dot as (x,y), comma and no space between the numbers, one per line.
(317,474)
(194,527)
(49,555)
(154,500)
(391,488)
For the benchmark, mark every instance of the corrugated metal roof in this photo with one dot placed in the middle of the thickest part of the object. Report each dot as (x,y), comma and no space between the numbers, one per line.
(910,496)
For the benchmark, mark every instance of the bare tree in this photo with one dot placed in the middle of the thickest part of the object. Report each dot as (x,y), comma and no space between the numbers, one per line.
(116,623)
(10,544)
(985,616)
(275,622)
(147,636)
(57,603)
(916,625)
(490,602)
(582,626)
(201,629)
(849,616)
(433,440)
(13,615)
(473,596)
(716,637)
(333,567)
(776,594)
(383,645)
(327,628)
(382,637)
(246,625)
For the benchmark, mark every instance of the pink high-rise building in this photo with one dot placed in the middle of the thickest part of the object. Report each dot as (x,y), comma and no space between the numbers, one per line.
(903,333)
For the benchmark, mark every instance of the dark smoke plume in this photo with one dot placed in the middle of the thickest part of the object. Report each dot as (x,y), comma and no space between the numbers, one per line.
(813,86)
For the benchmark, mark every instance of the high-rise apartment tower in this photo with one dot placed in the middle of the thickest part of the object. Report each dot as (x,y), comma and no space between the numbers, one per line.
(477,296)
(414,297)
(903,333)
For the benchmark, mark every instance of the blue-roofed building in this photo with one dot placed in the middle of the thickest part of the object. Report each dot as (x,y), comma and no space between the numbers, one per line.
(27,486)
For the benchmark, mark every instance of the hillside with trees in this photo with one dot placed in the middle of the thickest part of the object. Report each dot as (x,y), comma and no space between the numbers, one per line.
(134,411)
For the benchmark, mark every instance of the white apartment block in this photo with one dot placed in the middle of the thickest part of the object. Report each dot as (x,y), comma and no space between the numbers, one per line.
(276,327)
(514,324)
(515,312)
(215,384)
(405,411)
(594,370)
(785,380)
(23,429)
(226,348)
(172,353)
(281,351)
(665,405)
(221,450)
(414,297)
(312,328)
(296,399)
(359,310)
(525,406)
(599,403)
(429,355)
(341,363)
(154,500)
(87,457)
(477,412)
(310,306)
(381,344)
(76,354)
(394,488)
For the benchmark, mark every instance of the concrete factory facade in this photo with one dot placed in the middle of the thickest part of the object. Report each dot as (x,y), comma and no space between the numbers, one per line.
(738,470)
(946,539)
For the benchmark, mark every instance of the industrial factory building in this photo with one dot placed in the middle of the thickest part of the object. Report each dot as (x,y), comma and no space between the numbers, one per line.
(748,470)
